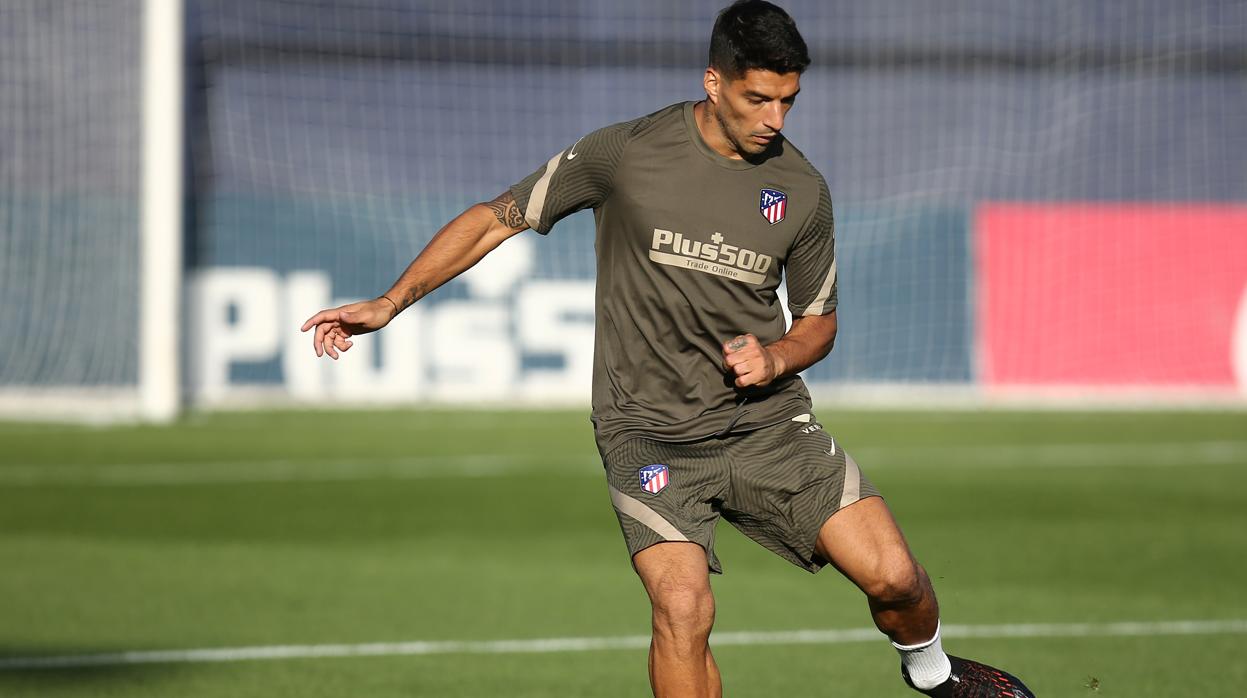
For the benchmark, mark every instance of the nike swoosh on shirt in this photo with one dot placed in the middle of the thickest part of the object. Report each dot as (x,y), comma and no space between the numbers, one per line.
(571,152)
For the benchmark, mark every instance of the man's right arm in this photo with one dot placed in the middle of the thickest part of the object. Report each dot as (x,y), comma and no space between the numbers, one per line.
(460,244)
(456,248)
(576,178)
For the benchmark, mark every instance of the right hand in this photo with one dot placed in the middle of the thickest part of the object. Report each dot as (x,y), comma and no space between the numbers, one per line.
(336,326)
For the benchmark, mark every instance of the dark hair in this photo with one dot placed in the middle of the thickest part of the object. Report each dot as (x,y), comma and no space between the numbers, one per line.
(754,34)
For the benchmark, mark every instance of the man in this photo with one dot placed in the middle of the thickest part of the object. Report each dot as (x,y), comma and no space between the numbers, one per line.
(697,407)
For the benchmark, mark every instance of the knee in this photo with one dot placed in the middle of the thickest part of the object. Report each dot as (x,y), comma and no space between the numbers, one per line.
(683,614)
(898,582)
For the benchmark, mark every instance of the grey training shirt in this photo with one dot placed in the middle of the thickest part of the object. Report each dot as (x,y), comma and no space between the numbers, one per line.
(691,246)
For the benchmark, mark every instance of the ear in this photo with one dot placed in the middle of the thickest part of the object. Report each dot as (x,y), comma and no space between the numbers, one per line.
(713,82)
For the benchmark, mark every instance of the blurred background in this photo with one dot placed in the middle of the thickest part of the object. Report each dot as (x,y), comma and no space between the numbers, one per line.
(1041,205)
(1034,200)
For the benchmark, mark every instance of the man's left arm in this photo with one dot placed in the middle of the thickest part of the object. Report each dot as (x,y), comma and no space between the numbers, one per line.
(804,344)
(810,272)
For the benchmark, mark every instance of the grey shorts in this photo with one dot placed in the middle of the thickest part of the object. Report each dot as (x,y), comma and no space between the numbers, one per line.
(778,485)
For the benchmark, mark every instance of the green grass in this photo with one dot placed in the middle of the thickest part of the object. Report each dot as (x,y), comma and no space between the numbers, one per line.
(246,529)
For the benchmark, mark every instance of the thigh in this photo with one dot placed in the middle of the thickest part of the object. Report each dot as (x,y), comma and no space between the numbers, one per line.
(787,481)
(672,571)
(667,492)
(865,543)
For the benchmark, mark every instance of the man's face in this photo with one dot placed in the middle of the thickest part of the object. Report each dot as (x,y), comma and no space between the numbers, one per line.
(752,107)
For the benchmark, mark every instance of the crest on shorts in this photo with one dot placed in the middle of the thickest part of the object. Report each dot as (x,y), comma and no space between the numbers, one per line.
(773,205)
(653,478)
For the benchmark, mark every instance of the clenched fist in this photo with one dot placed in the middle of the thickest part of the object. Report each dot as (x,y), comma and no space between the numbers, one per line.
(750,362)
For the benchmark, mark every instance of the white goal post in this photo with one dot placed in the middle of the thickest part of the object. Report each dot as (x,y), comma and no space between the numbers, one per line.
(160,290)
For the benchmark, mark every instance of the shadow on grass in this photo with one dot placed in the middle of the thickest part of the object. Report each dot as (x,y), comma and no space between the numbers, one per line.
(23,673)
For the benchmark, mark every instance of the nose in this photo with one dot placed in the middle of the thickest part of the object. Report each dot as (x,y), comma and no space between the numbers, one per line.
(773,119)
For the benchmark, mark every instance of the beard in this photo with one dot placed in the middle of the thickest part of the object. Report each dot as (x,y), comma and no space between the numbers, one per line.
(740,145)
(740,140)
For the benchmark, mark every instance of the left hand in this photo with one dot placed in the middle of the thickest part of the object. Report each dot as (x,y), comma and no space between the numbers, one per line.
(751,363)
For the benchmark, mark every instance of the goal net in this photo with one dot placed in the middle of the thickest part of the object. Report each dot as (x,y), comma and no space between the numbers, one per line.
(70,134)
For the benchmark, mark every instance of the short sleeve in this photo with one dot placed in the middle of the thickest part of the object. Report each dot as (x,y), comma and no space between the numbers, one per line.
(576,178)
(811,268)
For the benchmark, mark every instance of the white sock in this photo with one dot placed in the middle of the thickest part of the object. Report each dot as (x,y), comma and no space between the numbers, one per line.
(925,662)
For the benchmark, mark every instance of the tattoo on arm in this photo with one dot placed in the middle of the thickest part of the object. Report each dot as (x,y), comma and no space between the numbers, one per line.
(507,211)
(415,293)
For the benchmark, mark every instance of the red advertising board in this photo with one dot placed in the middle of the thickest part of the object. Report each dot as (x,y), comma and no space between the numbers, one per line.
(1111,295)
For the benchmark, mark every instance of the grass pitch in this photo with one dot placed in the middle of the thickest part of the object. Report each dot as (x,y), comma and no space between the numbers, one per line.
(280,529)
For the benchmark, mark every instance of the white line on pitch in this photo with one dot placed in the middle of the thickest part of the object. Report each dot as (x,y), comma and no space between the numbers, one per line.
(244,471)
(625,642)
(1051,455)
(1069,455)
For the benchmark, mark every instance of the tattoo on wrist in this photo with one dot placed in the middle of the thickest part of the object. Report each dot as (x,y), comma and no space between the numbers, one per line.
(507,211)
(415,293)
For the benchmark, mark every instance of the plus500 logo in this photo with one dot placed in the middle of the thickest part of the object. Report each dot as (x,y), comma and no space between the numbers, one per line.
(713,251)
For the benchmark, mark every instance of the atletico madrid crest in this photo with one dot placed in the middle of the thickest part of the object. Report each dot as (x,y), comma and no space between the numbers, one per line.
(653,478)
(774,205)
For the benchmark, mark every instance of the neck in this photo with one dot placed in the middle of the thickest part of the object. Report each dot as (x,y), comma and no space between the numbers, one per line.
(712,131)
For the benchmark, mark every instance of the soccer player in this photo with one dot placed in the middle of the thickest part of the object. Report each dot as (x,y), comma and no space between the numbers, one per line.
(698,411)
